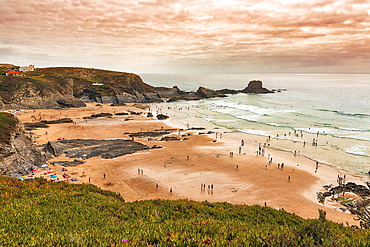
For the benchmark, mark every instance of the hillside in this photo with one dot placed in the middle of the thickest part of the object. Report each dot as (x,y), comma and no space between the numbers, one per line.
(70,87)
(18,154)
(40,213)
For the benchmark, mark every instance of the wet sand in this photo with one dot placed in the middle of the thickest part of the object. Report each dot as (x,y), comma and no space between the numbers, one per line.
(183,166)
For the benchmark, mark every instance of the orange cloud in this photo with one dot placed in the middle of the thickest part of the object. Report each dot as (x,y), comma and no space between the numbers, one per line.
(169,35)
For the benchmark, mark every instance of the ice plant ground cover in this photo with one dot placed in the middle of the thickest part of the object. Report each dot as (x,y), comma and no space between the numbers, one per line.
(41,213)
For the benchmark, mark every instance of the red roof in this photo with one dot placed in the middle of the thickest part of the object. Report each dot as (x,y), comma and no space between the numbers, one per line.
(14,72)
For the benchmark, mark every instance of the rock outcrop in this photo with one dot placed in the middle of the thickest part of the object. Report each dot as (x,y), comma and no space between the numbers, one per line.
(256,88)
(18,154)
(208,93)
(107,149)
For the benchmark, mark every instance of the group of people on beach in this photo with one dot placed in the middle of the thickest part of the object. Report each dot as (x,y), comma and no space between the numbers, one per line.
(209,188)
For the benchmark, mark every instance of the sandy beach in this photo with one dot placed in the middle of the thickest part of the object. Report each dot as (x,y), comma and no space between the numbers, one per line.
(184,166)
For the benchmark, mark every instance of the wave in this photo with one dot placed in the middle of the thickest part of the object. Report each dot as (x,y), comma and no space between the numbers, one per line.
(327,129)
(357,150)
(362,115)
(250,108)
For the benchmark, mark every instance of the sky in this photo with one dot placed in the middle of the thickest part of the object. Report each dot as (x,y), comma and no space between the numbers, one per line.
(189,36)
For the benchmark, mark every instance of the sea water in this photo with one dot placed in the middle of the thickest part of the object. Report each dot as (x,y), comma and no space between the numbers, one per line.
(330,109)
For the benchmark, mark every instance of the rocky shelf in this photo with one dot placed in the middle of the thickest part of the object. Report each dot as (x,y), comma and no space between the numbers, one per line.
(107,149)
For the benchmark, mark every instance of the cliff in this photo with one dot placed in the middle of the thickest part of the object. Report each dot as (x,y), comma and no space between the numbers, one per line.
(18,154)
(72,87)
(65,87)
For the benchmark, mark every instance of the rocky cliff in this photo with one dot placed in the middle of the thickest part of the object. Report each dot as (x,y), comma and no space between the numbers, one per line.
(73,87)
(18,154)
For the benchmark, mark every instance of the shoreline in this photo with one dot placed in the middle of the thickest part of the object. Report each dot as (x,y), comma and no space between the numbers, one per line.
(184,165)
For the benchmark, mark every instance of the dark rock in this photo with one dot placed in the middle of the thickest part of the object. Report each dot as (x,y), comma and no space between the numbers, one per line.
(31,126)
(170,138)
(208,93)
(70,102)
(162,117)
(18,154)
(118,104)
(104,114)
(156,147)
(121,113)
(148,134)
(64,163)
(58,121)
(149,114)
(197,128)
(256,88)
(227,91)
(107,149)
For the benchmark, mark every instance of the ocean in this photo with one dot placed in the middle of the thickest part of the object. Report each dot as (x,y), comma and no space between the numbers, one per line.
(330,109)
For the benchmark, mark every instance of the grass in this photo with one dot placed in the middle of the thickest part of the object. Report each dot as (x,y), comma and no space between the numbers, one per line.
(7,123)
(41,213)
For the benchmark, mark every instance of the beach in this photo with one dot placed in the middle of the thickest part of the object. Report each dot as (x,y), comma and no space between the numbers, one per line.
(212,164)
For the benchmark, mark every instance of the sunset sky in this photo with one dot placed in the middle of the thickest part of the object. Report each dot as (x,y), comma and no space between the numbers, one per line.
(190,36)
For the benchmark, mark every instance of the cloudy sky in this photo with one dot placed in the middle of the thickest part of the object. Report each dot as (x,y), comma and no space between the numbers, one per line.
(189,36)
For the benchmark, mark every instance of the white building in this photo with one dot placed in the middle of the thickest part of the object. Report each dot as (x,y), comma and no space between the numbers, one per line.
(27,68)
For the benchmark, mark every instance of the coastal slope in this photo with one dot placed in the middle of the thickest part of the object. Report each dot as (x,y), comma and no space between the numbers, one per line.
(65,87)
(18,154)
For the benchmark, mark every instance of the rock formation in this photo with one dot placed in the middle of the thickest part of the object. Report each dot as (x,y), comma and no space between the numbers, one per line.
(66,87)
(256,88)
(18,154)
(208,93)
(107,149)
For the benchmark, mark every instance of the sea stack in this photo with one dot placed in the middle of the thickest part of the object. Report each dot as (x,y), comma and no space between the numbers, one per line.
(255,87)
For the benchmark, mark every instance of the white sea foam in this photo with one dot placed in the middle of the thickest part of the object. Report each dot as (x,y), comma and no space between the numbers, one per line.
(251,108)
(253,118)
(255,132)
(358,150)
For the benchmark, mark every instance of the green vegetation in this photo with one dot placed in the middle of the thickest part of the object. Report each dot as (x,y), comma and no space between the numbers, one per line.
(41,213)
(7,123)
(4,69)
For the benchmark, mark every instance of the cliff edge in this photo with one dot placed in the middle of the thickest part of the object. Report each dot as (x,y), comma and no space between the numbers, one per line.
(18,154)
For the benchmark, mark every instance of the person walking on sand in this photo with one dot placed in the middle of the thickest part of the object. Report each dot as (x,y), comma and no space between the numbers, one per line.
(104,175)
(171,190)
